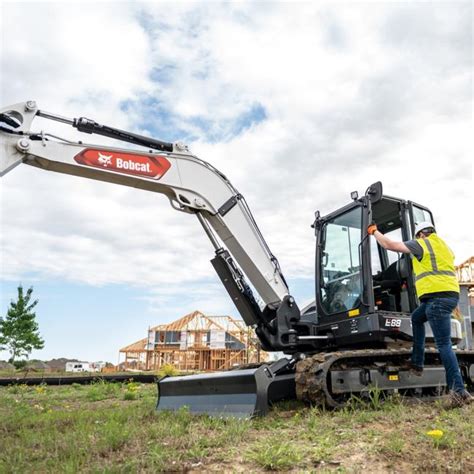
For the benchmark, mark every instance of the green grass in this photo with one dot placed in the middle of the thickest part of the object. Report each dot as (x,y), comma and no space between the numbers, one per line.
(275,454)
(114,428)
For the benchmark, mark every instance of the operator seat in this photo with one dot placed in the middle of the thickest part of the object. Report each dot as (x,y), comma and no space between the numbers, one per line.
(388,285)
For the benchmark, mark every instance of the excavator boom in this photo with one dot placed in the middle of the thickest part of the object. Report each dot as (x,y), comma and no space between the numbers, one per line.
(191,184)
(195,187)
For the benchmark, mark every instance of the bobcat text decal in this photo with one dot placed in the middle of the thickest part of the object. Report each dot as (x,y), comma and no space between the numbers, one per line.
(128,163)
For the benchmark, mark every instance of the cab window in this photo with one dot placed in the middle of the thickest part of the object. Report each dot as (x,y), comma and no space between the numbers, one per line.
(340,264)
(421,215)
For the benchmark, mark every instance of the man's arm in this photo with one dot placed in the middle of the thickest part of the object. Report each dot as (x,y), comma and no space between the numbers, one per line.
(390,244)
(386,242)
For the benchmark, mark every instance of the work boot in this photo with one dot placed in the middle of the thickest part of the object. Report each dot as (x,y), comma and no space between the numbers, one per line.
(412,368)
(459,399)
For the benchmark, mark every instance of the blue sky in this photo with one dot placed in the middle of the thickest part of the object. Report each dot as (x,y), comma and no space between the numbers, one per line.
(80,321)
(298,104)
(75,319)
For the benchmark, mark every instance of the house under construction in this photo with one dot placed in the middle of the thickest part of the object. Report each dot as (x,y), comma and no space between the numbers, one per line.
(465,274)
(206,343)
(195,342)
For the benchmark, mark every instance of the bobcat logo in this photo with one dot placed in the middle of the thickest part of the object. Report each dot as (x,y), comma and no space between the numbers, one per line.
(104,160)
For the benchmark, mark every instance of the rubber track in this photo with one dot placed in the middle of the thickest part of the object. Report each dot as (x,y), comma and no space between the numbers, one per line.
(80,379)
(312,373)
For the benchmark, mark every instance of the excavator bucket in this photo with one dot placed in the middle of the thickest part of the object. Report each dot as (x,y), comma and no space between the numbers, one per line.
(241,393)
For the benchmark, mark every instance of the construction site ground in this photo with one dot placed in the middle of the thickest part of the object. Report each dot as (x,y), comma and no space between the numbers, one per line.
(108,427)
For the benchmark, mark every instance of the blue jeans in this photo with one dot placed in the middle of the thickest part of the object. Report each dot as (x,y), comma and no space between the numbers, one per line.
(437,311)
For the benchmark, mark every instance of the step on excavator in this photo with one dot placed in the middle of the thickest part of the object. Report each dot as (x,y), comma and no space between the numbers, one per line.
(354,336)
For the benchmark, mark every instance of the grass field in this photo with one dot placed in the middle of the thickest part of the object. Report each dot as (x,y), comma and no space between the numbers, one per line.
(114,428)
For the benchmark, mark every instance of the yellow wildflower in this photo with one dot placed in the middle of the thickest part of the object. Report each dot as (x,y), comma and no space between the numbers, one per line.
(436,434)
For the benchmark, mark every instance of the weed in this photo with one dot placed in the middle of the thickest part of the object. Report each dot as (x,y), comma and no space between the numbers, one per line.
(275,454)
(362,415)
(374,399)
(236,429)
(287,405)
(197,452)
(131,392)
(168,370)
(40,389)
(324,447)
(101,390)
(113,435)
(161,458)
(18,389)
(129,395)
(441,439)
(394,445)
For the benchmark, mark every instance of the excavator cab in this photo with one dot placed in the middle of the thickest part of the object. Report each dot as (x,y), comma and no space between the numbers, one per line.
(356,275)
(364,293)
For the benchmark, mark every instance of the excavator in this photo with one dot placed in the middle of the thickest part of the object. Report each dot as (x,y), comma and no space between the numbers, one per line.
(355,335)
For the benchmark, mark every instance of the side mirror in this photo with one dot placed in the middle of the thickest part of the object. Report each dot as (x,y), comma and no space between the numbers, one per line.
(375,192)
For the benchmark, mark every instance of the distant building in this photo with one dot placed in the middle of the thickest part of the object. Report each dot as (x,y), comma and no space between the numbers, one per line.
(465,274)
(59,365)
(37,365)
(97,366)
(78,366)
(6,365)
(194,342)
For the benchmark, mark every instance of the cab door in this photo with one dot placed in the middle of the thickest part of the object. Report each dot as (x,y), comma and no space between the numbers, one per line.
(418,213)
(340,280)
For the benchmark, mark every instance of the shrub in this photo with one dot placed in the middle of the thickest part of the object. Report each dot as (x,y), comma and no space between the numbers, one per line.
(18,388)
(131,392)
(20,364)
(101,390)
(168,370)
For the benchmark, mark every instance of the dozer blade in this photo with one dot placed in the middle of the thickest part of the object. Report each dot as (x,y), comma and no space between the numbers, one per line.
(241,393)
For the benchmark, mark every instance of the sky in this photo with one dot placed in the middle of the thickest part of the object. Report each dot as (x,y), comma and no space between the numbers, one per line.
(298,104)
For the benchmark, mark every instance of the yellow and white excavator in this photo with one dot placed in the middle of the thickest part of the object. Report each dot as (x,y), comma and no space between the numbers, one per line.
(354,336)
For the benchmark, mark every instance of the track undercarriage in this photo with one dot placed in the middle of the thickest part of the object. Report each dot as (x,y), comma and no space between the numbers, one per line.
(330,379)
(326,379)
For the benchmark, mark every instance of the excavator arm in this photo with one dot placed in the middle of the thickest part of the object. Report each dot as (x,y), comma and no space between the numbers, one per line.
(191,185)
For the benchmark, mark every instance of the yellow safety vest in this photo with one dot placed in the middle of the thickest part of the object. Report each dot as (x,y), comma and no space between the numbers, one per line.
(435,272)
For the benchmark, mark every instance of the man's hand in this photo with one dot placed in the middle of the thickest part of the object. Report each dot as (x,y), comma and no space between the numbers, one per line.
(371,229)
(385,241)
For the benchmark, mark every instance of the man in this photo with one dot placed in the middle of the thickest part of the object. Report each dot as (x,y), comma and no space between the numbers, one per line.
(438,291)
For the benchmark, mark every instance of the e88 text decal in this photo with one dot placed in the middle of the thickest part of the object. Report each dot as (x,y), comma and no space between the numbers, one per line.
(393,323)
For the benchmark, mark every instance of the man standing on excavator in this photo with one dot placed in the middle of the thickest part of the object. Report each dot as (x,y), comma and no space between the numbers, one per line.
(437,289)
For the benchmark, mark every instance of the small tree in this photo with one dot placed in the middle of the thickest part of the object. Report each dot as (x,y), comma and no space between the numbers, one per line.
(19,331)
